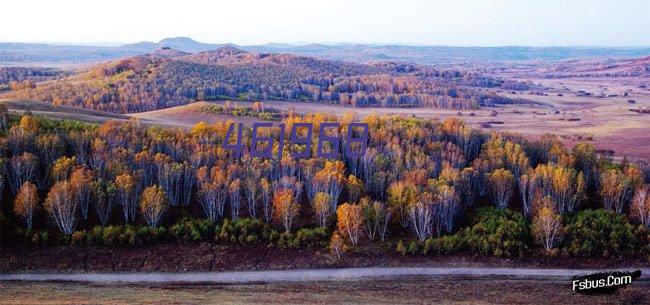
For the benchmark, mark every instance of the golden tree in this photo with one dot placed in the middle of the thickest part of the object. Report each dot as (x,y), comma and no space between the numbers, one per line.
(26,202)
(350,221)
(80,181)
(285,208)
(547,224)
(153,205)
(501,181)
(321,206)
(125,187)
(616,189)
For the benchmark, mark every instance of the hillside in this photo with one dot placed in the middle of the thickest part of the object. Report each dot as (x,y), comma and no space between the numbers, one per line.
(21,107)
(168,78)
(632,67)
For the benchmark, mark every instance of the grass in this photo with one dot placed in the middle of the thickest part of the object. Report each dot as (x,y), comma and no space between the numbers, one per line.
(408,291)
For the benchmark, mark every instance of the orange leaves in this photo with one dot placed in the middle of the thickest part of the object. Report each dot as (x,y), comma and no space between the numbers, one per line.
(285,208)
(26,202)
(350,221)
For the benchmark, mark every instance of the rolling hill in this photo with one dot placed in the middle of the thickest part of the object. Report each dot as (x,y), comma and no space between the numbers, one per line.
(168,78)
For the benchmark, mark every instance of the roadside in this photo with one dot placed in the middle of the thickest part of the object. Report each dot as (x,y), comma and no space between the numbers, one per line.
(211,257)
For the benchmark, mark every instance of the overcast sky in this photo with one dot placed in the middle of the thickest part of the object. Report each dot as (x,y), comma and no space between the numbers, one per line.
(434,22)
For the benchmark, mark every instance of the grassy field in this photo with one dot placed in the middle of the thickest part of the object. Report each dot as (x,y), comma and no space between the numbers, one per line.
(406,291)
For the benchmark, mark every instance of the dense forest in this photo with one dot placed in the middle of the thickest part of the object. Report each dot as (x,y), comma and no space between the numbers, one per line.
(170,78)
(16,78)
(450,187)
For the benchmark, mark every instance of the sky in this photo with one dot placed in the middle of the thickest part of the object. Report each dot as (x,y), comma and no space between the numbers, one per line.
(414,22)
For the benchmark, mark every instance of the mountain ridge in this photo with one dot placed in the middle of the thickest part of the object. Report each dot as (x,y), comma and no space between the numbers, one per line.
(359,53)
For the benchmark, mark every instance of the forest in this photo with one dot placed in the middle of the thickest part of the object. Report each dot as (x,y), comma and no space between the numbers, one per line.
(17,78)
(422,187)
(168,78)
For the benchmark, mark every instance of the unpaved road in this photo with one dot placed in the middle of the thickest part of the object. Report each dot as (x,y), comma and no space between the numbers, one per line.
(304,275)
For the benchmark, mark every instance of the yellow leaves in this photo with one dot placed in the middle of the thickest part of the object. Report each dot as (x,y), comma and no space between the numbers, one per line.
(125,183)
(200,130)
(29,123)
(321,201)
(333,171)
(546,225)
(501,176)
(62,168)
(153,204)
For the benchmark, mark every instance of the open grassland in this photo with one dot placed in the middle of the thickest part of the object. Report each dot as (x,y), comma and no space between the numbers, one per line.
(403,291)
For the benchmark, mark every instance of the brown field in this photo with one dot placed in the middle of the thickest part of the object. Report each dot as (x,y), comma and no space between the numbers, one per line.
(427,290)
(60,112)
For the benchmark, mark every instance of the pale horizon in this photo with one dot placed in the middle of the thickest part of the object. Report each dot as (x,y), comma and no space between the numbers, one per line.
(465,23)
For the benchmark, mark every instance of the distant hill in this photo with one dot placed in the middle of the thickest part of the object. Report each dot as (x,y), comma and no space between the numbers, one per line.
(15,53)
(167,78)
(635,67)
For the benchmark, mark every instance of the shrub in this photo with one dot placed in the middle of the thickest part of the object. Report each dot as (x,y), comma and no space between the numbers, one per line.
(497,232)
(31,236)
(311,238)
(244,230)
(448,244)
(126,235)
(412,247)
(189,229)
(599,233)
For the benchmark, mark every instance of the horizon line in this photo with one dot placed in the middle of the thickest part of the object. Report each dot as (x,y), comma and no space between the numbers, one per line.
(324,43)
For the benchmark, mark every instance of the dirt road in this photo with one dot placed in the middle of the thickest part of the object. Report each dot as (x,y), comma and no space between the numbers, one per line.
(302,275)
